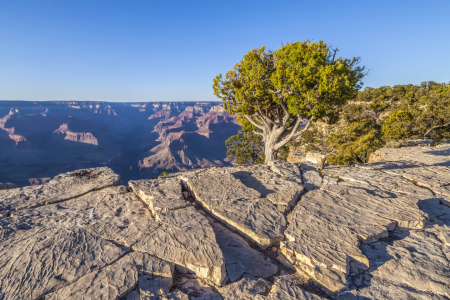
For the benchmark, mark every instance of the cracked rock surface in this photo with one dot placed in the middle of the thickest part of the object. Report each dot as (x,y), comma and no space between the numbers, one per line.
(283,231)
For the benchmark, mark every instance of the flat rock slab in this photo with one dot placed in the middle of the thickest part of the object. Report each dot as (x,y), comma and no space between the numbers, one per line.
(332,209)
(61,187)
(238,206)
(312,243)
(286,290)
(417,261)
(379,179)
(403,209)
(286,170)
(423,175)
(118,279)
(379,289)
(161,187)
(248,288)
(185,237)
(439,155)
(239,257)
(281,192)
(95,230)
(311,177)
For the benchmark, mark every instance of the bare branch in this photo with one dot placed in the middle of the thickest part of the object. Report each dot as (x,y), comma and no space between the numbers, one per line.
(293,132)
(434,127)
(249,118)
(258,133)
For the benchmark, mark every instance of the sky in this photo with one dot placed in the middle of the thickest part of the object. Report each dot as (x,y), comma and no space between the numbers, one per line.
(171,50)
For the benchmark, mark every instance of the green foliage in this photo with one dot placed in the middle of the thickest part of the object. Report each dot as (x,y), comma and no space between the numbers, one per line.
(164,174)
(398,125)
(301,75)
(245,148)
(385,117)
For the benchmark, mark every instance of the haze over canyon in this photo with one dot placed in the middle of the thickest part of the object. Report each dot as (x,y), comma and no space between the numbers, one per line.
(39,140)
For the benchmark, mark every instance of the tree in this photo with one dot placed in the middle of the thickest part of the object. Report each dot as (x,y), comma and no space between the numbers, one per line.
(278,91)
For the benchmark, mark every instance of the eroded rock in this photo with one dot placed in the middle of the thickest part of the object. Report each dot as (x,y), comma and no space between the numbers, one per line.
(239,207)
(61,187)
(285,290)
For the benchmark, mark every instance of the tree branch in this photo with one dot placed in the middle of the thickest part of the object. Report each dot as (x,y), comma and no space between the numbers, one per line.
(293,133)
(258,133)
(434,127)
(249,118)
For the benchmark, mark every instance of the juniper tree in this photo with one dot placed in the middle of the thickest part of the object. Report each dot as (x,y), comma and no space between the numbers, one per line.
(279,91)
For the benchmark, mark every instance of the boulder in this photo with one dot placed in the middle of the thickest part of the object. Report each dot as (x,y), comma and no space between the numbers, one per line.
(286,290)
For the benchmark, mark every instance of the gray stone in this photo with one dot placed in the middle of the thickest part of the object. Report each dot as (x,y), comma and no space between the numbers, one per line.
(384,290)
(134,295)
(311,177)
(332,209)
(61,187)
(286,170)
(235,204)
(186,238)
(438,155)
(379,179)
(7,186)
(175,295)
(286,290)
(281,192)
(161,187)
(417,261)
(248,288)
(119,279)
(315,246)
(239,257)
(400,208)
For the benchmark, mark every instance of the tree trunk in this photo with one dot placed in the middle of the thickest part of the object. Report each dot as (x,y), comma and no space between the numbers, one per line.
(270,153)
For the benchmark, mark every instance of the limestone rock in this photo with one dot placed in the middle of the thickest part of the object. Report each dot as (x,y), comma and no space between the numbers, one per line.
(427,155)
(175,295)
(239,257)
(417,261)
(281,192)
(314,245)
(379,179)
(235,204)
(310,156)
(400,208)
(7,186)
(285,290)
(286,170)
(61,187)
(35,260)
(248,288)
(311,177)
(185,237)
(119,278)
(379,289)
(334,210)
(161,187)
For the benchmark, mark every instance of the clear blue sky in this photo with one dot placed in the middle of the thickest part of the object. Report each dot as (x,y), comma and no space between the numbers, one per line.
(172,50)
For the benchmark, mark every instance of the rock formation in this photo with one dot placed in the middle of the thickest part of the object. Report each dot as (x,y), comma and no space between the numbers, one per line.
(283,231)
(81,137)
(15,137)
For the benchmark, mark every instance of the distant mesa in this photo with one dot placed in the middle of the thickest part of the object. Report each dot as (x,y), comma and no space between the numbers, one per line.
(81,137)
(15,137)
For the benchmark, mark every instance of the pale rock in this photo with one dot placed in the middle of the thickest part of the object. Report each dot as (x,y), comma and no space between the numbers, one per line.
(400,208)
(379,289)
(417,261)
(379,179)
(61,187)
(248,288)
(286,290)
(186,238)
(235,204)
(334,210)
(281,192)
(438,155)
(239,257)
(286,170)
(175,295)
(311,177)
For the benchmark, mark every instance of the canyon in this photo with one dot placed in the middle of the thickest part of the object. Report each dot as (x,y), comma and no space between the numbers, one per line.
(39,140)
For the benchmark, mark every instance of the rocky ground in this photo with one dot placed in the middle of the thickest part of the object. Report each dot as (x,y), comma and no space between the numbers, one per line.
(283,231)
